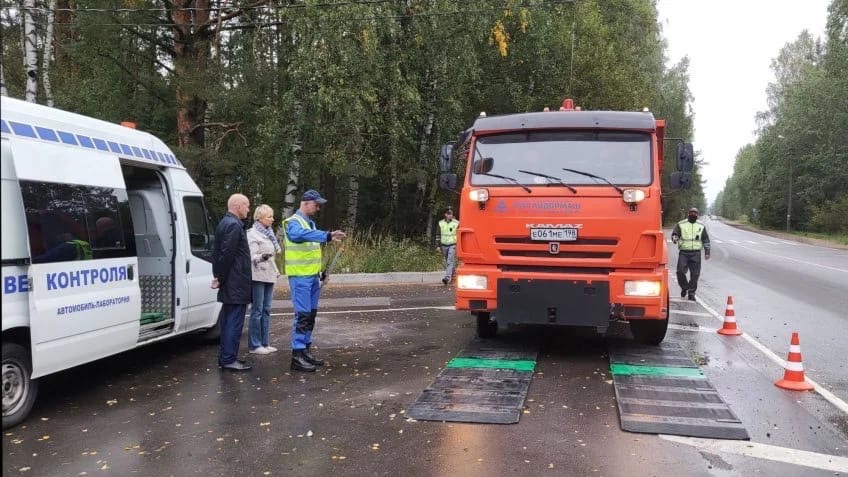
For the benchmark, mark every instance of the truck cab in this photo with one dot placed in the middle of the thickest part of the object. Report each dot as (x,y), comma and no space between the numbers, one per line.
(561,220)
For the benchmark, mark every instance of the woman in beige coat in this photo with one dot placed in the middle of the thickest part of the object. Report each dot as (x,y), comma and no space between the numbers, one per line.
(263,247)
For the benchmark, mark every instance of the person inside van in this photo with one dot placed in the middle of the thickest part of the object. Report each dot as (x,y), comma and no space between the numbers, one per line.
(66,248)
(108,234)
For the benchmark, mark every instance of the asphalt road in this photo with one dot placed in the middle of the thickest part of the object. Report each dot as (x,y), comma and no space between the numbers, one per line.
(780,286)
(166,409)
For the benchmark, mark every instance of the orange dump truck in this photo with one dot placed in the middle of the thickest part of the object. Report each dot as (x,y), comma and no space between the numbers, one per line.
(561,219)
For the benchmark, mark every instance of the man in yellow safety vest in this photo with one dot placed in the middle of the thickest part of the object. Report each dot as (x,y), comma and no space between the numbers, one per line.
(447,243)
(691,237)
(303,266)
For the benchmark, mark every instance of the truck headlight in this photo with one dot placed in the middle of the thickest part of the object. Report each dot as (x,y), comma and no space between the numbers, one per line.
(642,288)
(479,195)
(472,282)
(631,196)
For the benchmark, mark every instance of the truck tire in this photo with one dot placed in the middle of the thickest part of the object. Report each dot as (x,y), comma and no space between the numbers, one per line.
(486,326)
(19,389)
(651,331)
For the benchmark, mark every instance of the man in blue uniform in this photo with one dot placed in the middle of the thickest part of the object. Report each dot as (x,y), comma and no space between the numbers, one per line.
(303,266)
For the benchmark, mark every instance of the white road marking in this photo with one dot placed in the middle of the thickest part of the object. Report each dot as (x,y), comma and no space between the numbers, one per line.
(338,312)
(773,243)
(734,241)
(794,259)
(691,328)
(786,455)
(717,241)
(790,243)
(832,398)
(693,313)
(751,241)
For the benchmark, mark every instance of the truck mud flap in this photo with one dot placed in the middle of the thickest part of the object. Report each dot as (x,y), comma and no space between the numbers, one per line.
(486,383)
(659,390)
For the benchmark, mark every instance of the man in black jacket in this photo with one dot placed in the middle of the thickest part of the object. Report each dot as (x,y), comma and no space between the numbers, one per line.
(232,270)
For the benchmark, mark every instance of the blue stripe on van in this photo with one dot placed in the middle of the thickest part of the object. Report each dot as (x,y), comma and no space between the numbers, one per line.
(67,138)
(23,129)
(101,144)
(85,141)
(47,134)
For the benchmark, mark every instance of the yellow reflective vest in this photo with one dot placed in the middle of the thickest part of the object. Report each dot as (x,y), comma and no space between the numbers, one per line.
(304,258)
(690,235)
(447,231)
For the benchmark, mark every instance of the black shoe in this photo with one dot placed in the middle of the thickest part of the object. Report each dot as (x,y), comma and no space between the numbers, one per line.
(311,359)
(236,366)
(683,293)
(445,280)
(299,362)
(691,297)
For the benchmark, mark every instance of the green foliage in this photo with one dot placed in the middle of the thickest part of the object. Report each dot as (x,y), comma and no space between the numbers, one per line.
(371,252)
(359,92)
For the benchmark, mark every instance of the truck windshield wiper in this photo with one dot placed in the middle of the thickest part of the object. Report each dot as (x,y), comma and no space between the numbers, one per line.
(559,181)
(513,180)
(593,176)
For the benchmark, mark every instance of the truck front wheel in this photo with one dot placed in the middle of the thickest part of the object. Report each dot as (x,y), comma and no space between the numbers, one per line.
(19,389)
(486,326)
(651,331)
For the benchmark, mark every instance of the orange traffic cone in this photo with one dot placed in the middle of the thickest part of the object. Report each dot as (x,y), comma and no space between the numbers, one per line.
(793,377)
(729,326)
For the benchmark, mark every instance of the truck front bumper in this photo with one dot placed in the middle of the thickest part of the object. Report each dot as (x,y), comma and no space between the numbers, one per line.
(572,294)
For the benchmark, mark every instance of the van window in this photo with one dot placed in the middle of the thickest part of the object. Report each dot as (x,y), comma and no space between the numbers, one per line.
(201,227)
(68,222)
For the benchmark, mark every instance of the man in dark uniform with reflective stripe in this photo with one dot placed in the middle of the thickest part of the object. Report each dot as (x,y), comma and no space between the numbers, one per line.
(691,237)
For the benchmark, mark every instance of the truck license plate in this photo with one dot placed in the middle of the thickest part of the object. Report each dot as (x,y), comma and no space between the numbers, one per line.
(558,235)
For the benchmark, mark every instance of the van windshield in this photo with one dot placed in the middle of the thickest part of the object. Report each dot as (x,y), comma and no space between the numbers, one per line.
(624,158)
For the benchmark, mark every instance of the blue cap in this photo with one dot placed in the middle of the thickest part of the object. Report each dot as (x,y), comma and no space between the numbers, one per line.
(312,194)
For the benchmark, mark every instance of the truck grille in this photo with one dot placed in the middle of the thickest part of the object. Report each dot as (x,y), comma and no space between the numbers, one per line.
(585,248)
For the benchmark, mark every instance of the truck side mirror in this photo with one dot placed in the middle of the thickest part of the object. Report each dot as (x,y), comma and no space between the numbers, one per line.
(681,180)
(446,158)
(447,180)
(685,157)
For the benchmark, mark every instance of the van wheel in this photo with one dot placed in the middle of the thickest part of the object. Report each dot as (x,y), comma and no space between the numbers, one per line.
(19,389)
(486,326)
(212,335)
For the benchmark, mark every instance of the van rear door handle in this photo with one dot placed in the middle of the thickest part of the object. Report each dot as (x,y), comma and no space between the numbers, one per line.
(188,266)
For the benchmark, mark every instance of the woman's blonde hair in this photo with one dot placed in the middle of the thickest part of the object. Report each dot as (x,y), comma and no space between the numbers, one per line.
(262,211)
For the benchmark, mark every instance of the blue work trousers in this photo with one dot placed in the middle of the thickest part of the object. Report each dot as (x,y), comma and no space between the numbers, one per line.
(304,293)
(232,324)
(259,327)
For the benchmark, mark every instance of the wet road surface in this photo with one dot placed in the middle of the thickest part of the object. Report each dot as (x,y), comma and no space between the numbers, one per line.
(165,409)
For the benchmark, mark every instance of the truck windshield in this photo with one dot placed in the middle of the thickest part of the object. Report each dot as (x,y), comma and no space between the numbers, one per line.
(624,158)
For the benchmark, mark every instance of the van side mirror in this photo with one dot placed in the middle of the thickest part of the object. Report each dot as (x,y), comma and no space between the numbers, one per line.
(446,158)
(685,157)
(483,165)
(447,180)
(681,180)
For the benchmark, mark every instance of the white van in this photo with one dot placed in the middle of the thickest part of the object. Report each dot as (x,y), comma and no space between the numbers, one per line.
(106,246)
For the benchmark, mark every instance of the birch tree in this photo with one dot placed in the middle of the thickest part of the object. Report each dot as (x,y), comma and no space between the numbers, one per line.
(30,51)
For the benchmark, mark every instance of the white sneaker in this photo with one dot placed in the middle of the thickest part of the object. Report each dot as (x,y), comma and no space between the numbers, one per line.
(270,349)
(260,350)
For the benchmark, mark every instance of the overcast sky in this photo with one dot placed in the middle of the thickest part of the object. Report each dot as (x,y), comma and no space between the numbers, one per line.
(730,45)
